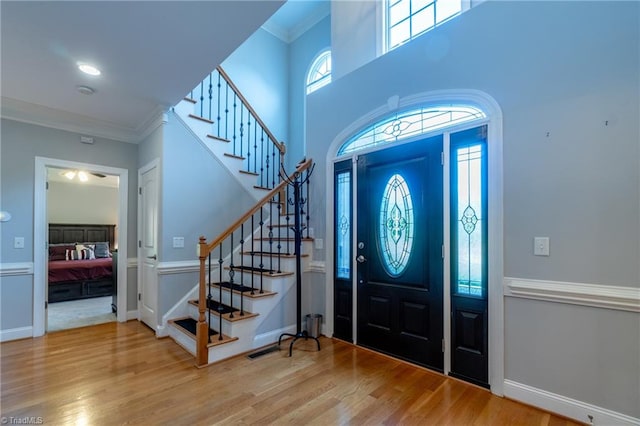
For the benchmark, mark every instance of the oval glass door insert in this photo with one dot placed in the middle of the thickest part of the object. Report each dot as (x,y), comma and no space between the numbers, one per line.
(396,225)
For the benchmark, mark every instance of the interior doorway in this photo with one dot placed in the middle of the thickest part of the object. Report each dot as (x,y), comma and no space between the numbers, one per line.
(41,249)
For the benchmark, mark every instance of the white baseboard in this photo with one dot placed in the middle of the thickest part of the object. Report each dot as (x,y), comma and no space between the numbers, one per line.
(270,337)
(132,315)
(16,333)
(565,406)
(162,331)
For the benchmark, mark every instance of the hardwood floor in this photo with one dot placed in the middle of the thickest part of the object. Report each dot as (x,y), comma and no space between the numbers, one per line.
(121,374)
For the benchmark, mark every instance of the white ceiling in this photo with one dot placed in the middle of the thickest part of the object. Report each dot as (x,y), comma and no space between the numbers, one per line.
(151,54)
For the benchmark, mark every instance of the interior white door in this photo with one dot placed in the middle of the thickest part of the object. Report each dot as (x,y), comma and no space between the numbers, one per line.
(147,246)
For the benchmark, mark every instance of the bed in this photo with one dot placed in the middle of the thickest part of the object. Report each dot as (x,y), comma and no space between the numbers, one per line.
(81,262)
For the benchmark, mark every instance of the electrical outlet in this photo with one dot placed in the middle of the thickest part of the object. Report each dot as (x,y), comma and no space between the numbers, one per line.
(319,243)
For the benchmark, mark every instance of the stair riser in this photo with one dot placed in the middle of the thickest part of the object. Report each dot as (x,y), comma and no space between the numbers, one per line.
(189,344)
(264,245)
(230,328)
(250,304)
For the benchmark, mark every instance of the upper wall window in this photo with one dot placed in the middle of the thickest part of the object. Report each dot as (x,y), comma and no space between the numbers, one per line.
(320,72)
(413,122)
(407,19)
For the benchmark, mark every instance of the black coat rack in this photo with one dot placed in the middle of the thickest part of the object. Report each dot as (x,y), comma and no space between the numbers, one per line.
(296,182)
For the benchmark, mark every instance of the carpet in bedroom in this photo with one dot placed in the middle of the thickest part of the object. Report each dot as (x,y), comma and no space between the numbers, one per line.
(79,313)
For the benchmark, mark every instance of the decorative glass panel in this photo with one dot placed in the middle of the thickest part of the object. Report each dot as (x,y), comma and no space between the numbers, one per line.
(410,123)
(407,19)
(396,225)
(320,72)
(469,215)
(343,225)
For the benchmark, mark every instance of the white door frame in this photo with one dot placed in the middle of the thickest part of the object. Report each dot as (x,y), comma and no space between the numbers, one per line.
(141,171)
(40,232)
(495,221)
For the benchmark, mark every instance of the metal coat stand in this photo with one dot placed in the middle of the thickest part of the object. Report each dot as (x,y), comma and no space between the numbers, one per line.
(296,182)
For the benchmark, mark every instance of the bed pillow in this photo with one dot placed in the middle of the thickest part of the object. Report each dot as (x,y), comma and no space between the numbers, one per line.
(59,251)
(82,254)
(87,250)
(102,249)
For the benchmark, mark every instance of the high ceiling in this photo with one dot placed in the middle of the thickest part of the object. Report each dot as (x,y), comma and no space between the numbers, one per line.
(151,53)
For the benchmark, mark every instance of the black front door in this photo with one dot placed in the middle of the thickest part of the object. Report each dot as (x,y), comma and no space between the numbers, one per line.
(399,252)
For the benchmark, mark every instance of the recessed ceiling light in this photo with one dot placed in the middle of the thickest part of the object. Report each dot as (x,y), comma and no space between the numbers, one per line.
(88,69)
(85,90)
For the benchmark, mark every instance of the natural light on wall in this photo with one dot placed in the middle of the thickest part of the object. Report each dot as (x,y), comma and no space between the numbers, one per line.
(406,19)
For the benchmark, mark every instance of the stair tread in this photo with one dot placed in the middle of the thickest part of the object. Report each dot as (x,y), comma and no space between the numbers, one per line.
(263,271)
(256,295)
(197,117)
(188,99)
(226,154)
(264,188)
(218,138)
(266,253)
(237,316)
(246,172)
(188,326)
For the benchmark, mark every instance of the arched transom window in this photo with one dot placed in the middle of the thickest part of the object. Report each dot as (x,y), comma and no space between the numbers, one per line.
(320,72)
(410,123)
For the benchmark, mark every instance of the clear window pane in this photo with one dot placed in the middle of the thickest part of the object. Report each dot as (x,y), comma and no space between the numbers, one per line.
(422,21)
(399,11)
(447,8)
(320,72)
(400,33)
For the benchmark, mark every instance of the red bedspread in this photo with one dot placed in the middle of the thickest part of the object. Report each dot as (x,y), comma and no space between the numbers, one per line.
(77,270)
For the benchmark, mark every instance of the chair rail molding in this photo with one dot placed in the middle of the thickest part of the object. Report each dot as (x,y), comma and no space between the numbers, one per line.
(595,295)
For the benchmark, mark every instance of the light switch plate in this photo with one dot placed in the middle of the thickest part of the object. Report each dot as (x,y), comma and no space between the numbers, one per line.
(178,242)
(319,243)
(541,246)
(18,242)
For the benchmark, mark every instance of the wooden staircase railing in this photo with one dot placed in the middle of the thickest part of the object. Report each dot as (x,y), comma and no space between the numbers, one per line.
(250,225)
(234,121)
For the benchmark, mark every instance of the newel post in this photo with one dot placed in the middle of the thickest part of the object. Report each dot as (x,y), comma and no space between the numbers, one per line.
(202,330)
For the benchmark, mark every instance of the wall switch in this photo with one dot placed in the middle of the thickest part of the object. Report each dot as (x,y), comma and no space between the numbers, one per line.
(541,246)
(319,243)
(178,242)
(18,242)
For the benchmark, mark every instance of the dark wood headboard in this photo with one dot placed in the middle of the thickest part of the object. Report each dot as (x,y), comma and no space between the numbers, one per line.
(81,233)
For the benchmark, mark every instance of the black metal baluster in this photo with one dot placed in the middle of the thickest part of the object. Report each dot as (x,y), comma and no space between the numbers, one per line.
(241,128)
(253,253)
(261,154)
(232,273)
(210,94)
(255,148)
(235,105)
(220,262)
(248,141)
(266,176)
(202,99)
(273,162)
(288,217)
(308,216)
(271,236)
(261,251)
(241,282)
(209,298)
(219,86)
(279,195)
(226,111)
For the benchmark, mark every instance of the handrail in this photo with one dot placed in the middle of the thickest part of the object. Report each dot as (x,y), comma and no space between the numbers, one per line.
(301,168)
(279,145)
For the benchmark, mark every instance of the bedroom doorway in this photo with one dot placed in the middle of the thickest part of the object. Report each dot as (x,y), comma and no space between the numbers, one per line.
(82,209)
(41,231)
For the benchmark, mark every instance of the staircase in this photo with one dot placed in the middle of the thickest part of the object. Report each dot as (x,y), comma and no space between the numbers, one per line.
(246,290)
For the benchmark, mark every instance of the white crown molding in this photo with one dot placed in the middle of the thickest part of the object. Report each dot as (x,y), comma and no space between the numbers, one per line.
(289,35)
(565,406)
(595,295)
(25,112)
(11,269)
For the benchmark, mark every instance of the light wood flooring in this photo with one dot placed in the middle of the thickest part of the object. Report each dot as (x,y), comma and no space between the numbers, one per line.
(113,374)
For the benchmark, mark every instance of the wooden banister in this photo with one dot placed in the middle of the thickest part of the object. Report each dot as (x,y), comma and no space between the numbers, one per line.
(279,145)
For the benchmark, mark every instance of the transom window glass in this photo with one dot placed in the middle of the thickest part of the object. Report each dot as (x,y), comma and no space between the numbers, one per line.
(410,123)
(407,19)
(320,72)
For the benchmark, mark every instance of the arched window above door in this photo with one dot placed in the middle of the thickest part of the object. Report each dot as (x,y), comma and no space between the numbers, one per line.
(410,123)
(320,72)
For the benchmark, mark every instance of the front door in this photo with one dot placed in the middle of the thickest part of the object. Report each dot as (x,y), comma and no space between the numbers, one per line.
(148,245)
(399,252)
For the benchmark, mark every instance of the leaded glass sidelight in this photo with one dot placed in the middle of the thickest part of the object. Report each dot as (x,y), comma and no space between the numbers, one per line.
(343,225)
(470,221)
(396,227)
